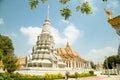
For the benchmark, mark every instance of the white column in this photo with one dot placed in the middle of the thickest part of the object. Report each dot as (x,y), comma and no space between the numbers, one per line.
(65,63)
(82,64)
(71,64)
(78,64)
(68,64)
(74,64)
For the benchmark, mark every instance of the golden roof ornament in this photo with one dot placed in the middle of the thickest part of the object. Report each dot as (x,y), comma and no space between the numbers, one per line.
(109,13)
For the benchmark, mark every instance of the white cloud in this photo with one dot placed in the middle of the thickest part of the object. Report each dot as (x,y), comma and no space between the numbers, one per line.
(32,33)
(98,55)
(1,21)
(70,33)
(92,4)
(59,40)
(113,4)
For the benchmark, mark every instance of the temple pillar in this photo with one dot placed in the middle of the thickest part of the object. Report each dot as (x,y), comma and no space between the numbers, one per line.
(74,64)
(71,64)
(68,64)
(79,64)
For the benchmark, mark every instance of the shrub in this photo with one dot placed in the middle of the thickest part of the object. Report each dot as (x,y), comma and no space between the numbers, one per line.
(47,75)
(26,78)
(91,72)
(53,76)
(12,75)
(60,75)
(72,76)
(85,74)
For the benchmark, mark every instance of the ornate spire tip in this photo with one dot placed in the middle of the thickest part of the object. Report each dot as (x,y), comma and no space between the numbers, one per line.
(48,10)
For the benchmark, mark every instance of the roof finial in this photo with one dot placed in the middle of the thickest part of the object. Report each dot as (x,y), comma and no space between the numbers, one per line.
(109,13)
(48,10)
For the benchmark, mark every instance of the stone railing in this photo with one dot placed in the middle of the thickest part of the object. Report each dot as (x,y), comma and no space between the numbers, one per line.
(110,72)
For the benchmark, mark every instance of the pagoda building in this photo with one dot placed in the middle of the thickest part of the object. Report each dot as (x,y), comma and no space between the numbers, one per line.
(99,66)
(115,23)
(44,54)
(72,59)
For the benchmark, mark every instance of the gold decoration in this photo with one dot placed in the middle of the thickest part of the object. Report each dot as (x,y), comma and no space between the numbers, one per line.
(109,13)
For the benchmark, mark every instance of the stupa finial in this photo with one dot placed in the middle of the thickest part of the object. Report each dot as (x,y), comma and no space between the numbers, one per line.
(47,17)
(48,11)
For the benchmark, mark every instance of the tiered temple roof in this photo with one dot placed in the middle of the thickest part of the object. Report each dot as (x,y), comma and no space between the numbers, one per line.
(72,58)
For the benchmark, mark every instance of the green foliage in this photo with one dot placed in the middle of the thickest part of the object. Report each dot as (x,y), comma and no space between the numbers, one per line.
(47,75)
(65,12)
(78,8)
(1,54)
(84,74)
(33,3)
(72,76)
(59,75)
(6,76)
(86,8)
(53,76)
(44,1)
(93,65)
(64,1)
(6,45)
(7,53)
(17,76)
(91,72)
(9,62)
(104,0)
(111,61)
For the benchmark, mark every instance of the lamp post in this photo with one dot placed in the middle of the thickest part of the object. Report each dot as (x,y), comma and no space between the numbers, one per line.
(107,66)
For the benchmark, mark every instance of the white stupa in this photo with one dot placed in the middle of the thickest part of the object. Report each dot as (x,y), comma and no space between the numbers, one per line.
(44,54)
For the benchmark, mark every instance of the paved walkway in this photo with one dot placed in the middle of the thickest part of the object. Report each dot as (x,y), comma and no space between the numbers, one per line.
(115,77)
(100,77)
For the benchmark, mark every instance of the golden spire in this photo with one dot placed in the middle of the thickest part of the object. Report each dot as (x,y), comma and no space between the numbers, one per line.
(68,46)
(109,13)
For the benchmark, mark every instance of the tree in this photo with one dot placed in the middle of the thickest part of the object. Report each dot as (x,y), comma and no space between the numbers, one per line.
(6,45)
(1,54)
(111,61)
(10,63)
(93,65)
(83,7)
(66,11)
(7,54)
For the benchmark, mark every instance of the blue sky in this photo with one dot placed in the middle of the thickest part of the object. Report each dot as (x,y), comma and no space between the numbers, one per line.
(90,35)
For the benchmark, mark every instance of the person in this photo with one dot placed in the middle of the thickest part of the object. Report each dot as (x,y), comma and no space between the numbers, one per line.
(67,75)
(76,75)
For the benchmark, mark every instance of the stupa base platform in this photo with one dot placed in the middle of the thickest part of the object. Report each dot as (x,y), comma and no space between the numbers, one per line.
(42,71)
